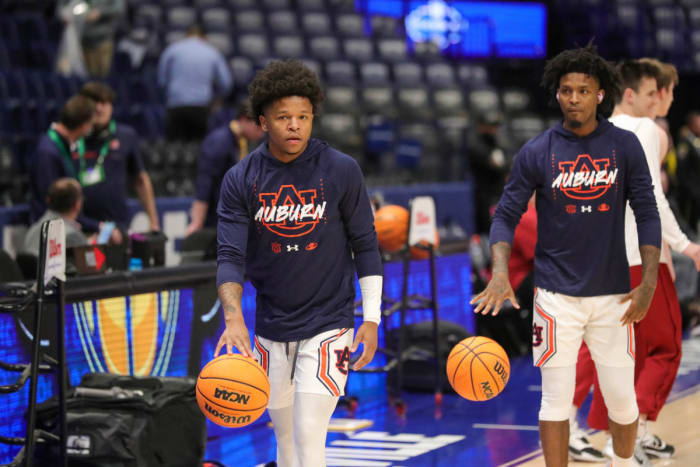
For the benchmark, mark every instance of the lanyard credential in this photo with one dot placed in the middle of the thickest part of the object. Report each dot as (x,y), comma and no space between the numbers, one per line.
(104,150)
(65,152)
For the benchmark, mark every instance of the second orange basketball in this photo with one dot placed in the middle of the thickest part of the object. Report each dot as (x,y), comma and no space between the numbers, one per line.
(478,368)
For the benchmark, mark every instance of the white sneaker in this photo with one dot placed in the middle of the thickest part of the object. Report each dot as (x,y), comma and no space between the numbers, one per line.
(581,449)
(639,456)
(655,447)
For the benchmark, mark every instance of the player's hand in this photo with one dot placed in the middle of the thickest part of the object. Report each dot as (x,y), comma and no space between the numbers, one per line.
(367,336)
(116,238)
(235,335)
(692,251)
(192,228)
(496,292)
(640,299)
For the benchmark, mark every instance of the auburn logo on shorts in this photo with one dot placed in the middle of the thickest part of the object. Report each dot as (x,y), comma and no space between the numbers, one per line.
(585,178)
(537,335)
(342,358)
(290,212)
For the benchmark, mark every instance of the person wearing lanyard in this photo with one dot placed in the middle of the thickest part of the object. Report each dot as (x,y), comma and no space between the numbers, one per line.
(53,157)
(110,163)
(221,150)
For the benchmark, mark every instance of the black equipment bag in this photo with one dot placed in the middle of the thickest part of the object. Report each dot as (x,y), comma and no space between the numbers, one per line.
(127,421)
(419,365)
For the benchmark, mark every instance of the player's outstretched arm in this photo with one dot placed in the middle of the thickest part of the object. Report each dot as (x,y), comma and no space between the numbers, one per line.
(498,288)
(640,297)
(236,332)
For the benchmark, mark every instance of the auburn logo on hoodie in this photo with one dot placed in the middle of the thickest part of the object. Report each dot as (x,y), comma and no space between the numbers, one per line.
(585,178)
(290,212)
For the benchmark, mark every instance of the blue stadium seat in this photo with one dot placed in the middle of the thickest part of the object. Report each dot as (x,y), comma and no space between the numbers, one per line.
(374,73)
(669,41)
(253,45)
(249,21)
(392,50)
(275,5)
(472,75)
(311,5)
(378,100)
(410,73)
(515,100)
(207,4)
(316,23)
(340,72)
(222,42)
(341,99)
(148,15)
(288,46)
(694,17)
(524,127)
(237,5)
(181,17)
(324,48)
(669,17)
(173,35)
(313,65)
(350,25)
(359,49)
(242,71)
(216,19)
(385,26)
(449,101)
(282,22)
(483,100)
(414,103)
(440,74)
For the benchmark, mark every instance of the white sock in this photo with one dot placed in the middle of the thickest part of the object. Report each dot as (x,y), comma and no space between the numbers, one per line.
(572,418)
(283,424)
(312,413)
(641,428)
(622,462)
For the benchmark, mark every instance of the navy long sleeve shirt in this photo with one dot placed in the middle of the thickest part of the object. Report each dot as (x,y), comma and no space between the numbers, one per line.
(220,152)
(581,186)
(293,228)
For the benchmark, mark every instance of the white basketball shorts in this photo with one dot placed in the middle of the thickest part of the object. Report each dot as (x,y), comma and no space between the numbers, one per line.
(559,322)
(322,364)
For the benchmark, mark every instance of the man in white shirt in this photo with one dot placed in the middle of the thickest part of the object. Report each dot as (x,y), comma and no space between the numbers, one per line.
(658,335)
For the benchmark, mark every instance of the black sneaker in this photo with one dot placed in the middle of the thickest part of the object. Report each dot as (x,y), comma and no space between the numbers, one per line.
(655,447)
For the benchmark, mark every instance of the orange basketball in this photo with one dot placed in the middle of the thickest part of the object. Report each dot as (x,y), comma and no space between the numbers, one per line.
(391,224)
(232,390)
(419,253)
(478,368)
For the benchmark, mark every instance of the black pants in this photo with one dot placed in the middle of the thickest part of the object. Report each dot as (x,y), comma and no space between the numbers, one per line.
(188,123)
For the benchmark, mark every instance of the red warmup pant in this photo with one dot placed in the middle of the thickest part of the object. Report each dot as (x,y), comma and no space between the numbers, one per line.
(657,354)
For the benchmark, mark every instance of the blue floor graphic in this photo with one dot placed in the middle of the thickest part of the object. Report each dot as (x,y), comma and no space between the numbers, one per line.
(457,433)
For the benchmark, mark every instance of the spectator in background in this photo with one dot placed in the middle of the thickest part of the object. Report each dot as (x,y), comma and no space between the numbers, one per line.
(64,200)
(689,170)
(193,73)
(55,153)
(489,167)
(111,163)
(95,23)
(101,23)
(221,150)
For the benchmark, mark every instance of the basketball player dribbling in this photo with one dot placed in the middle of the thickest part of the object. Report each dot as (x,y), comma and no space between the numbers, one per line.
(295,217)
(658,335)
(582,171)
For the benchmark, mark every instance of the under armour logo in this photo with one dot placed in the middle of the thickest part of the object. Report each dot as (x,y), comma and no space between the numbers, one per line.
(292,247)
(586,208)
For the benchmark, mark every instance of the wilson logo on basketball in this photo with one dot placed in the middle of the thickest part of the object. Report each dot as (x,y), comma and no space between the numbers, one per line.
(290,212)
(501,371)
(486,387)
(228,419)
(585,178)
(231,396)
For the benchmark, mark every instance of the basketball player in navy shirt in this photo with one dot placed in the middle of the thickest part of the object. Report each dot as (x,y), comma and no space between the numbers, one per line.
(582,171)
(295,217)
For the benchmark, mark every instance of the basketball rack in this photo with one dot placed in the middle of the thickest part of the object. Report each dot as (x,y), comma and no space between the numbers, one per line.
(395,357)
(18,297)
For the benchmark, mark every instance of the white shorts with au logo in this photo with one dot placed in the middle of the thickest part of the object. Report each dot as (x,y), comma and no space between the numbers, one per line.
(321,365)
(560,322)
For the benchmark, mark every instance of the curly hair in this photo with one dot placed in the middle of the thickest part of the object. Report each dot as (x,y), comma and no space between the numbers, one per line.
(583,60)
(280,79)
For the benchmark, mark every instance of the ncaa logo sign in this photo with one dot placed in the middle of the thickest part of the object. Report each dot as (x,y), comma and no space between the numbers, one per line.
(436,22)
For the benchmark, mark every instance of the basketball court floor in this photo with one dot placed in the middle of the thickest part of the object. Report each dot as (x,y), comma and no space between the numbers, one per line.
(500,432)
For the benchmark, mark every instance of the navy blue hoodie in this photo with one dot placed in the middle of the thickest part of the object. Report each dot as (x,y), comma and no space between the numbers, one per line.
(582,185)
(292,228)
